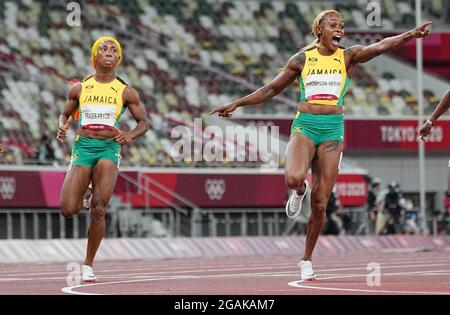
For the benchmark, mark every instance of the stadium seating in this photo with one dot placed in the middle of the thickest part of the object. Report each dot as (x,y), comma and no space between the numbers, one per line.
(183,57)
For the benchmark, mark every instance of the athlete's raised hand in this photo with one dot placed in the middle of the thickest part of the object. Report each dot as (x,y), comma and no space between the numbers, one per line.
(425,130)
(225,110)
(441,108)
(422,30)
(361,54)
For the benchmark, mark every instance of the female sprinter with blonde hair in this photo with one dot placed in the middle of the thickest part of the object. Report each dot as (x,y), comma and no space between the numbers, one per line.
(323,69)
(101,99)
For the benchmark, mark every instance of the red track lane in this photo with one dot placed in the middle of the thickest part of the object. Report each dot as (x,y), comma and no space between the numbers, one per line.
(401,273)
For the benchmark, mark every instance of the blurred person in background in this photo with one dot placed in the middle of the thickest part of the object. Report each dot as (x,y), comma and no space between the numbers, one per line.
(447,202)
(324,69)
(410,225)
(101,100)
(334,224)
(446,217)
(372,206)
(391,203)
(45,153)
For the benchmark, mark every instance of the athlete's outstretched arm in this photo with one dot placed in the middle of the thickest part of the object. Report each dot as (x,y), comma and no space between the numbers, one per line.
(69,108)
(440,109)
(285,78)
(360,54)
(131,98)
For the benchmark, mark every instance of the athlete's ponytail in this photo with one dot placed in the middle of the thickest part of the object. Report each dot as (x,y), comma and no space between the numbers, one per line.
(314,26)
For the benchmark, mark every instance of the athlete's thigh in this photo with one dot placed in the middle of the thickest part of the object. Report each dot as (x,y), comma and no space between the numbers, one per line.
(74,186)
(299,153)
(325,168)
(104,177)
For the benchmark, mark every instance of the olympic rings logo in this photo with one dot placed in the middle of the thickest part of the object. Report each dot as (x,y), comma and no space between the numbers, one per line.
(7,187)
(215,188)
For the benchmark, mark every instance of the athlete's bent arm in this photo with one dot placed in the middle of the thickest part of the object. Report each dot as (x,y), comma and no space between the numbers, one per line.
(285,78)
(440,109)
(131,98)
(69,108)
(361,54)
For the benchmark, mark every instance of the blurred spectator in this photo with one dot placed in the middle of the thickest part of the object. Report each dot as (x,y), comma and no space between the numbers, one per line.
(410,226)
(163,158)
(372,207)
(446,217)
(447,203)
(336,222)
(45,153)
(390,202)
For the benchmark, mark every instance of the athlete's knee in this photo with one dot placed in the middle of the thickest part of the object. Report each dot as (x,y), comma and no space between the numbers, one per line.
(98,210)
(295,180)
(67,212)
(319,208)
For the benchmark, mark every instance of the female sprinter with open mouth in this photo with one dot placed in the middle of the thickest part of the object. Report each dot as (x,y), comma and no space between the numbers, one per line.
(323,69)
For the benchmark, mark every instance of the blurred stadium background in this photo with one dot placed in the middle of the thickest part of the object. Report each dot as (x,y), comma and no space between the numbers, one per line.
(185,57)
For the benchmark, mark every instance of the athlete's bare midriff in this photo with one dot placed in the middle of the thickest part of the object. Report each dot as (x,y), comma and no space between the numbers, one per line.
(98,134)
(320,109)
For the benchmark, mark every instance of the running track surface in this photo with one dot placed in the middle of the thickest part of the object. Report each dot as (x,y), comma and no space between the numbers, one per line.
(401,273)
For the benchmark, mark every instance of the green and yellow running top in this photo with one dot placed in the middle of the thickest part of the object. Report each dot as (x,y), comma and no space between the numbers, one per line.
(324,79)
(101,104)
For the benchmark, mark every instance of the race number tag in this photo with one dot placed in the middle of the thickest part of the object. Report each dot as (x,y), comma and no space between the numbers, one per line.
(98,116)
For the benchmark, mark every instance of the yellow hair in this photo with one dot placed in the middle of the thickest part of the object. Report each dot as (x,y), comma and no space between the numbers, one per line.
(94,49)
(314,26)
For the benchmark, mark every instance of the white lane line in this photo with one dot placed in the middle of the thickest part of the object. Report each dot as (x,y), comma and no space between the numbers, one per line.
(150,267)
(155,276)
(265,267)
(178,269)
(299,284)
(181,277)
(104,273)
(70,290)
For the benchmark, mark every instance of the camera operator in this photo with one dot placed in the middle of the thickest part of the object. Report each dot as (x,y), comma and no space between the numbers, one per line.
(391,202)
(372,206)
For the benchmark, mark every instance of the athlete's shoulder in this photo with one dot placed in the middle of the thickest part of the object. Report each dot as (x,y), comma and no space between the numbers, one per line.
(310,49)
(75,90)
(121,81)
(85,79)
(130,95)
(296,61)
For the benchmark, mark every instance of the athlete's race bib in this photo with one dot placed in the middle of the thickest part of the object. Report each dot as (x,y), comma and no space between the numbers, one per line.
(322,87)
(98,117)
